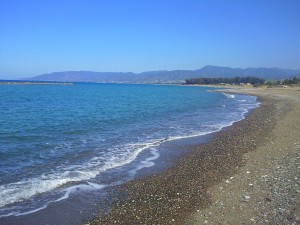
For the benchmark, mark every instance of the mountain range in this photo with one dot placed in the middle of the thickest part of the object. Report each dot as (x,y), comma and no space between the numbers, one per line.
(174,76)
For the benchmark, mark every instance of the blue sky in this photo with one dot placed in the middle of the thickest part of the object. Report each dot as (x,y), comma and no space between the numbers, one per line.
(39,37)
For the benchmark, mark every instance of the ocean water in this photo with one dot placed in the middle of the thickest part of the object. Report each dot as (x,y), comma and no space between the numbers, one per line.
(55,140)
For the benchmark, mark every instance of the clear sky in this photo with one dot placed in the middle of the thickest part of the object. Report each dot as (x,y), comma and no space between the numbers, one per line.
(42,36)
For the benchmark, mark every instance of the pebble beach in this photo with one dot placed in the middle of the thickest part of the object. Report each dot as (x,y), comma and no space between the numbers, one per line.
(249,173)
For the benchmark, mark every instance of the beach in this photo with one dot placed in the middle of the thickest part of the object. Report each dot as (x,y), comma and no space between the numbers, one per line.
(248,173)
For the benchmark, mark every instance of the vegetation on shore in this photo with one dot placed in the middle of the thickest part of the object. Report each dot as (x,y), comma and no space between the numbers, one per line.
(231,81)
(295,81)
(254,81)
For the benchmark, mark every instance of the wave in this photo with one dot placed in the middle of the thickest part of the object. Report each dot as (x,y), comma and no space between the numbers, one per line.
(23,190)
(19,211)
(228,95)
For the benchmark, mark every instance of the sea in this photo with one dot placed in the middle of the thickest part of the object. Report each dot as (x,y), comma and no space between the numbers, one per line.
(62,141)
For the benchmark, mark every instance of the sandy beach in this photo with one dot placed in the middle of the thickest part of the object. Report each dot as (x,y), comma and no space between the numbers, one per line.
(248,173)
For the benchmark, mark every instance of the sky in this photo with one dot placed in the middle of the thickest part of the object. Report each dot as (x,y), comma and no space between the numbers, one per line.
(38,37)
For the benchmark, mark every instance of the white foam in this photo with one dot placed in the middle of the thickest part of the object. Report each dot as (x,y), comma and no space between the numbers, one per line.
(228,95)
(20,191)
(66,193)
(145,163)
(84,187)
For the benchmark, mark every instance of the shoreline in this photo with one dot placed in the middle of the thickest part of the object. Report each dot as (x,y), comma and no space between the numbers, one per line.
(182,193)
(34,83)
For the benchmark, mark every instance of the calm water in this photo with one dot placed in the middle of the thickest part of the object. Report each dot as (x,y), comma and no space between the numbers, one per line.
(56,140)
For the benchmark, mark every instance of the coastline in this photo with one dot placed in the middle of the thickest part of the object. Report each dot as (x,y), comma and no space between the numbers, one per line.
(187,192)
(34,83)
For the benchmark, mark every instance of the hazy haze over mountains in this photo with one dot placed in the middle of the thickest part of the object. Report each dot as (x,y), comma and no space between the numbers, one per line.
(166,76)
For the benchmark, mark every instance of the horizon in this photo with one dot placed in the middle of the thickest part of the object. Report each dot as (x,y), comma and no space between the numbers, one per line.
(129,36)
(29,77)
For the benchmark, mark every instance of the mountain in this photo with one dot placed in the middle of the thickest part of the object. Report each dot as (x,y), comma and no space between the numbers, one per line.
(164,76)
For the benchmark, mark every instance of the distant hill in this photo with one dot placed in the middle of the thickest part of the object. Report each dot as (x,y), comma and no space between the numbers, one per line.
(174,76)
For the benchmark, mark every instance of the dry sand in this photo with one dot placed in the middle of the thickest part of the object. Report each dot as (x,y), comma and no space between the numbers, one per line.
(249,173)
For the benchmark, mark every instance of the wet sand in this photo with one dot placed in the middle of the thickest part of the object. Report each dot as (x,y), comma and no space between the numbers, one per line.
(249,173)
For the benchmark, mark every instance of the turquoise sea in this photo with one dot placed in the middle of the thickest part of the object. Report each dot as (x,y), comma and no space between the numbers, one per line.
(56,141)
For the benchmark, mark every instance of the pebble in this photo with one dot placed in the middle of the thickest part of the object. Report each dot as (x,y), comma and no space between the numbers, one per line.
(246,197)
